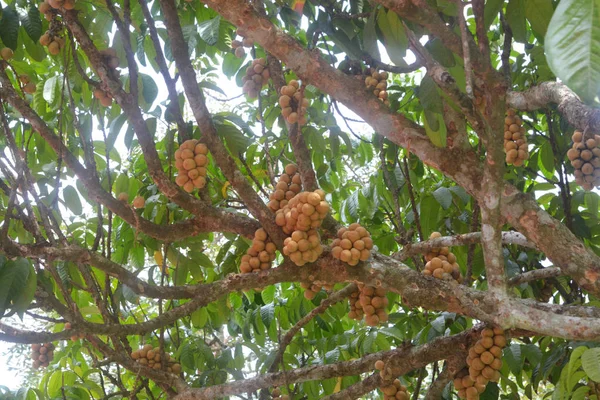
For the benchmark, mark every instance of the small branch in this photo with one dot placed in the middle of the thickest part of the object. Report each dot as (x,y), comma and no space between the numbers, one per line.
(537,274)
(321,308)
(465,36)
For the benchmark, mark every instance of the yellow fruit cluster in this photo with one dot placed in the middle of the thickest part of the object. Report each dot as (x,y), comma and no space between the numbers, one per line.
(276,395)
(53,42)
(46,7)
(41,354)
(374,302)
(352,245)
(260,254)
(257,76)
(190,160)
(515,142)
(393,390)
(238,45)
(585,158)
(109,56)
(288,186)
(304,211)
(150,357)
(289,101)
(303,247)
(104,97)
(441,262)
(311,289)
(28,86)
(356,311)
(377,82)
(484,361)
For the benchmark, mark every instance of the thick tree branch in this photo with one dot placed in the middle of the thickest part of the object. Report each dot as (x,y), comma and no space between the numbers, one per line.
(569,105)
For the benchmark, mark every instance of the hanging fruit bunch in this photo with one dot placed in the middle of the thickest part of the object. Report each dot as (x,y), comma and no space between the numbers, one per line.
(238,45)
(288,186)
(104,97)
(376,81)
(257,76)
(260,254)
(109,57)
(42,354)
(311,289)
(484,361)
(441,262)
(352,245)
(585,158)
(293,103)
(356,311)
(394,389)
(28,86)
(276,395)
(515,141)
(300,219)
(150,357)
(191,160)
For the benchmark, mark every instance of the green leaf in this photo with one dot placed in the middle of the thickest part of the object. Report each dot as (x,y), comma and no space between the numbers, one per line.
(72,200)
(515,16)
(370,38)
(429,210)
(22,301)
(443,196)
(32,23)
(590,361)
(149,89)
(200,317)
(13,279)
(9,27)
(430,96)
(209,30)
(437,136)
(539,13)
(573,46)
(267,313)
(50,92)
(490,13)
(394,36)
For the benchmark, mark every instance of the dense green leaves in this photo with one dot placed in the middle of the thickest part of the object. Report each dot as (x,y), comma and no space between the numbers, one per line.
(9,27)
(573,46)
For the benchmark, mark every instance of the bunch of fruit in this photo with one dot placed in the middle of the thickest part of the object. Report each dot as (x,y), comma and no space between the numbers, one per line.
(352,245)
(484,361)
(260,254)
(311,289)
(28,86)
(276,395)
(257,76)
(109,56)
(293,103)
(376,81)
(42,354)
(54,43)
(304,211)
(238,45)
(585,158)
(441,262)
(303,247)
(104,97)
(190,160)
(393,390)
(515,142)
(288,186)
(374,302)
(150,357)
(356,311)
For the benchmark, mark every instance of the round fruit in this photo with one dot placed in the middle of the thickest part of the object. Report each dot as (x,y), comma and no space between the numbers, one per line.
(6,53)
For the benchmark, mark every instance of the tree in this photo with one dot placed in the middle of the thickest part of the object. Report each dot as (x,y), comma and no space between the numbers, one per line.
(199,255)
